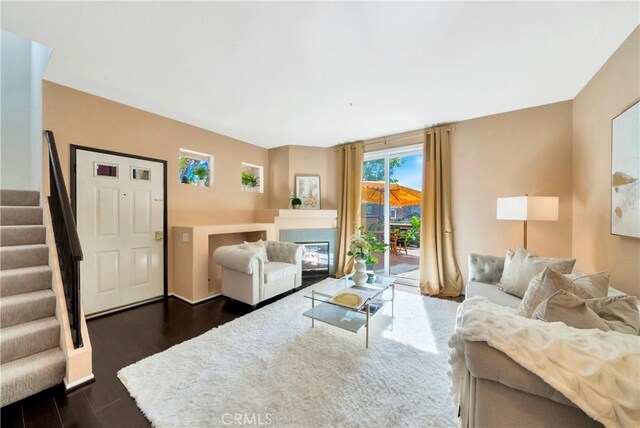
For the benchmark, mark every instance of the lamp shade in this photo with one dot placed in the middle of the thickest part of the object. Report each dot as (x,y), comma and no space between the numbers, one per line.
(543,208)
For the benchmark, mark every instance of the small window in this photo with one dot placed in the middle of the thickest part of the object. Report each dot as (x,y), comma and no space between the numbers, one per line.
(106,170)
(195,168)
(140,173)
(393,214)
(370,210)
(252,178)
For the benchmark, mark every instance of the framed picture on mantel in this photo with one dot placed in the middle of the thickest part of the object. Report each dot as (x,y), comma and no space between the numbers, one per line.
(308,191)
(625,173)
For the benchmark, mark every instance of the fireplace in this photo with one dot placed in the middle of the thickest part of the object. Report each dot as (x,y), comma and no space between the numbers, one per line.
(316,258)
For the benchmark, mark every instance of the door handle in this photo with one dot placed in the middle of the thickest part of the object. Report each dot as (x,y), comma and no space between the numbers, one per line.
(159,235)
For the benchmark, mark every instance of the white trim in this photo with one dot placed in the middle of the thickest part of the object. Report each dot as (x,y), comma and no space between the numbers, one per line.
(387,214)
(193,302)
(203,156)
(77,383)
(397,151)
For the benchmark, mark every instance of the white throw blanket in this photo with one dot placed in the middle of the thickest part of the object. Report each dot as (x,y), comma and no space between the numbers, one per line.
(598,371)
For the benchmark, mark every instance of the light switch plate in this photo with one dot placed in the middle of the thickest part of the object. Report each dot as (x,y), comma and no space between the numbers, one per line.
(185,237)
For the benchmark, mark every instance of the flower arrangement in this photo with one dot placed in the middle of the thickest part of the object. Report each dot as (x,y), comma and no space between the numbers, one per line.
(365,245)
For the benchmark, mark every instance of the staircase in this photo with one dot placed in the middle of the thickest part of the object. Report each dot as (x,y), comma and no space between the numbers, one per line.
(30,355)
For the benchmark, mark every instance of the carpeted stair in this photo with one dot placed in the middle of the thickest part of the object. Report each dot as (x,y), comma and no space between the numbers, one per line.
(30,355)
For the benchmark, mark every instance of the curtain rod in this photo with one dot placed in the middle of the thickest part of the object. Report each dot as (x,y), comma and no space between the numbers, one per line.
(388,138)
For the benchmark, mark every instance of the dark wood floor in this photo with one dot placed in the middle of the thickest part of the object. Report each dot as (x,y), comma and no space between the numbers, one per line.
(119,340)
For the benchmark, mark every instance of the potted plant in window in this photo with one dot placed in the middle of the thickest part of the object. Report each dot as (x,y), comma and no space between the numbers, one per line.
(295,203)
(201,172)
(250,182)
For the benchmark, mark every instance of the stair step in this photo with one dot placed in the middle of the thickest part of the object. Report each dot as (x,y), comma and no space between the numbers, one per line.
(13,215)
(29,375)
(27,307)
(28,338)
(23,256)
(22,235)
(24,280)
(21,198)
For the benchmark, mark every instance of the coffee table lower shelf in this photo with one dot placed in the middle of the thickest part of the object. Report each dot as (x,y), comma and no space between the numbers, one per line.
(342,317)
(346,319)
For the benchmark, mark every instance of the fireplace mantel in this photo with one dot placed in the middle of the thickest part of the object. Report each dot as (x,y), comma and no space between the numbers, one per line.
(298,219)
(196,276)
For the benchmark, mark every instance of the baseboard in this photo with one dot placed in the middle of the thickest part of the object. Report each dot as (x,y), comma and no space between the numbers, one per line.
(195,302)
(78,383)
(125,307)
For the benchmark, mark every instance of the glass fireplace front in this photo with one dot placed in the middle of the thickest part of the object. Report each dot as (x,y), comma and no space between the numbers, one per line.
(316,258)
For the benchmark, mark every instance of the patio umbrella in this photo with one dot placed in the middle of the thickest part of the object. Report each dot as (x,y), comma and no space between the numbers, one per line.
(399,195)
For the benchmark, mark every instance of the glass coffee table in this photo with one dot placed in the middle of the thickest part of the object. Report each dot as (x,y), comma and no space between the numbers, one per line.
(349,307)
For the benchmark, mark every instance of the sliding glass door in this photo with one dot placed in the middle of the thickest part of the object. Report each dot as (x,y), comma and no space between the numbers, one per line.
(391,198)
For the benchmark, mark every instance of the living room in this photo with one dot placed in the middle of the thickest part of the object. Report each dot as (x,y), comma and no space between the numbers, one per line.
(420,145)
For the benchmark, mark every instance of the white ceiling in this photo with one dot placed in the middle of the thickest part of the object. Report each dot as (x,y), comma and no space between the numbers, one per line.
(320,74)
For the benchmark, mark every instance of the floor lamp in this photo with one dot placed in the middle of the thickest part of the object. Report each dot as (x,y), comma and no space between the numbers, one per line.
(525,208)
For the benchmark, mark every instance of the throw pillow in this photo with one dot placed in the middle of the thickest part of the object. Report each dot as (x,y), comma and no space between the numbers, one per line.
(257,247)
(567,308)
(620,313)
(524,266)
(545,284)
(507,259)
(596,284)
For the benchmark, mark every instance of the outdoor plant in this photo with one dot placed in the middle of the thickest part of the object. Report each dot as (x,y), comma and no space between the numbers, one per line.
(201,171)
(412,233)
(250,180)
(365,245)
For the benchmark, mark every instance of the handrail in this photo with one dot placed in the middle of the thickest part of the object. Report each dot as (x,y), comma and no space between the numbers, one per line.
(67,240)
(69,221)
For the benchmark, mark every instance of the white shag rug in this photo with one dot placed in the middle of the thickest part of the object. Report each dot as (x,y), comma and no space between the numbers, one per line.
(271,368)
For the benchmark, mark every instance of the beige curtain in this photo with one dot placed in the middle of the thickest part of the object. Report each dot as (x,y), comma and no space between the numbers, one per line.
(350,158)
(439,272)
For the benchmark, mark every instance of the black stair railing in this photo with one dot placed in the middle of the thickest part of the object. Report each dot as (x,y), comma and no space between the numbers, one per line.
(67,241)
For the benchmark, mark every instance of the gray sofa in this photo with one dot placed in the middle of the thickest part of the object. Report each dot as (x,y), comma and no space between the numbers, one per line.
(500,392)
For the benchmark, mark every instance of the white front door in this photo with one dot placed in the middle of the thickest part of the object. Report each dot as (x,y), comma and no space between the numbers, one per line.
(120,216)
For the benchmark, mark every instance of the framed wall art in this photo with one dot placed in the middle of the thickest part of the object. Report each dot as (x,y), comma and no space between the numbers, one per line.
(625,173)
(308,191)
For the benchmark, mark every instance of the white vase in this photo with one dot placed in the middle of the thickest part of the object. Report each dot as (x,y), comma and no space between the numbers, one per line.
(360,275)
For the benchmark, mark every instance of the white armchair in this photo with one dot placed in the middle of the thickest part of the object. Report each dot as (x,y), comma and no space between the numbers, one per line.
(245,277)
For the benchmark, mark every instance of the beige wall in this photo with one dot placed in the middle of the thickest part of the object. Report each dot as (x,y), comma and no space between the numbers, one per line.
(279,185)
(288,161)
(613,89)
(79,118)
(510,154)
